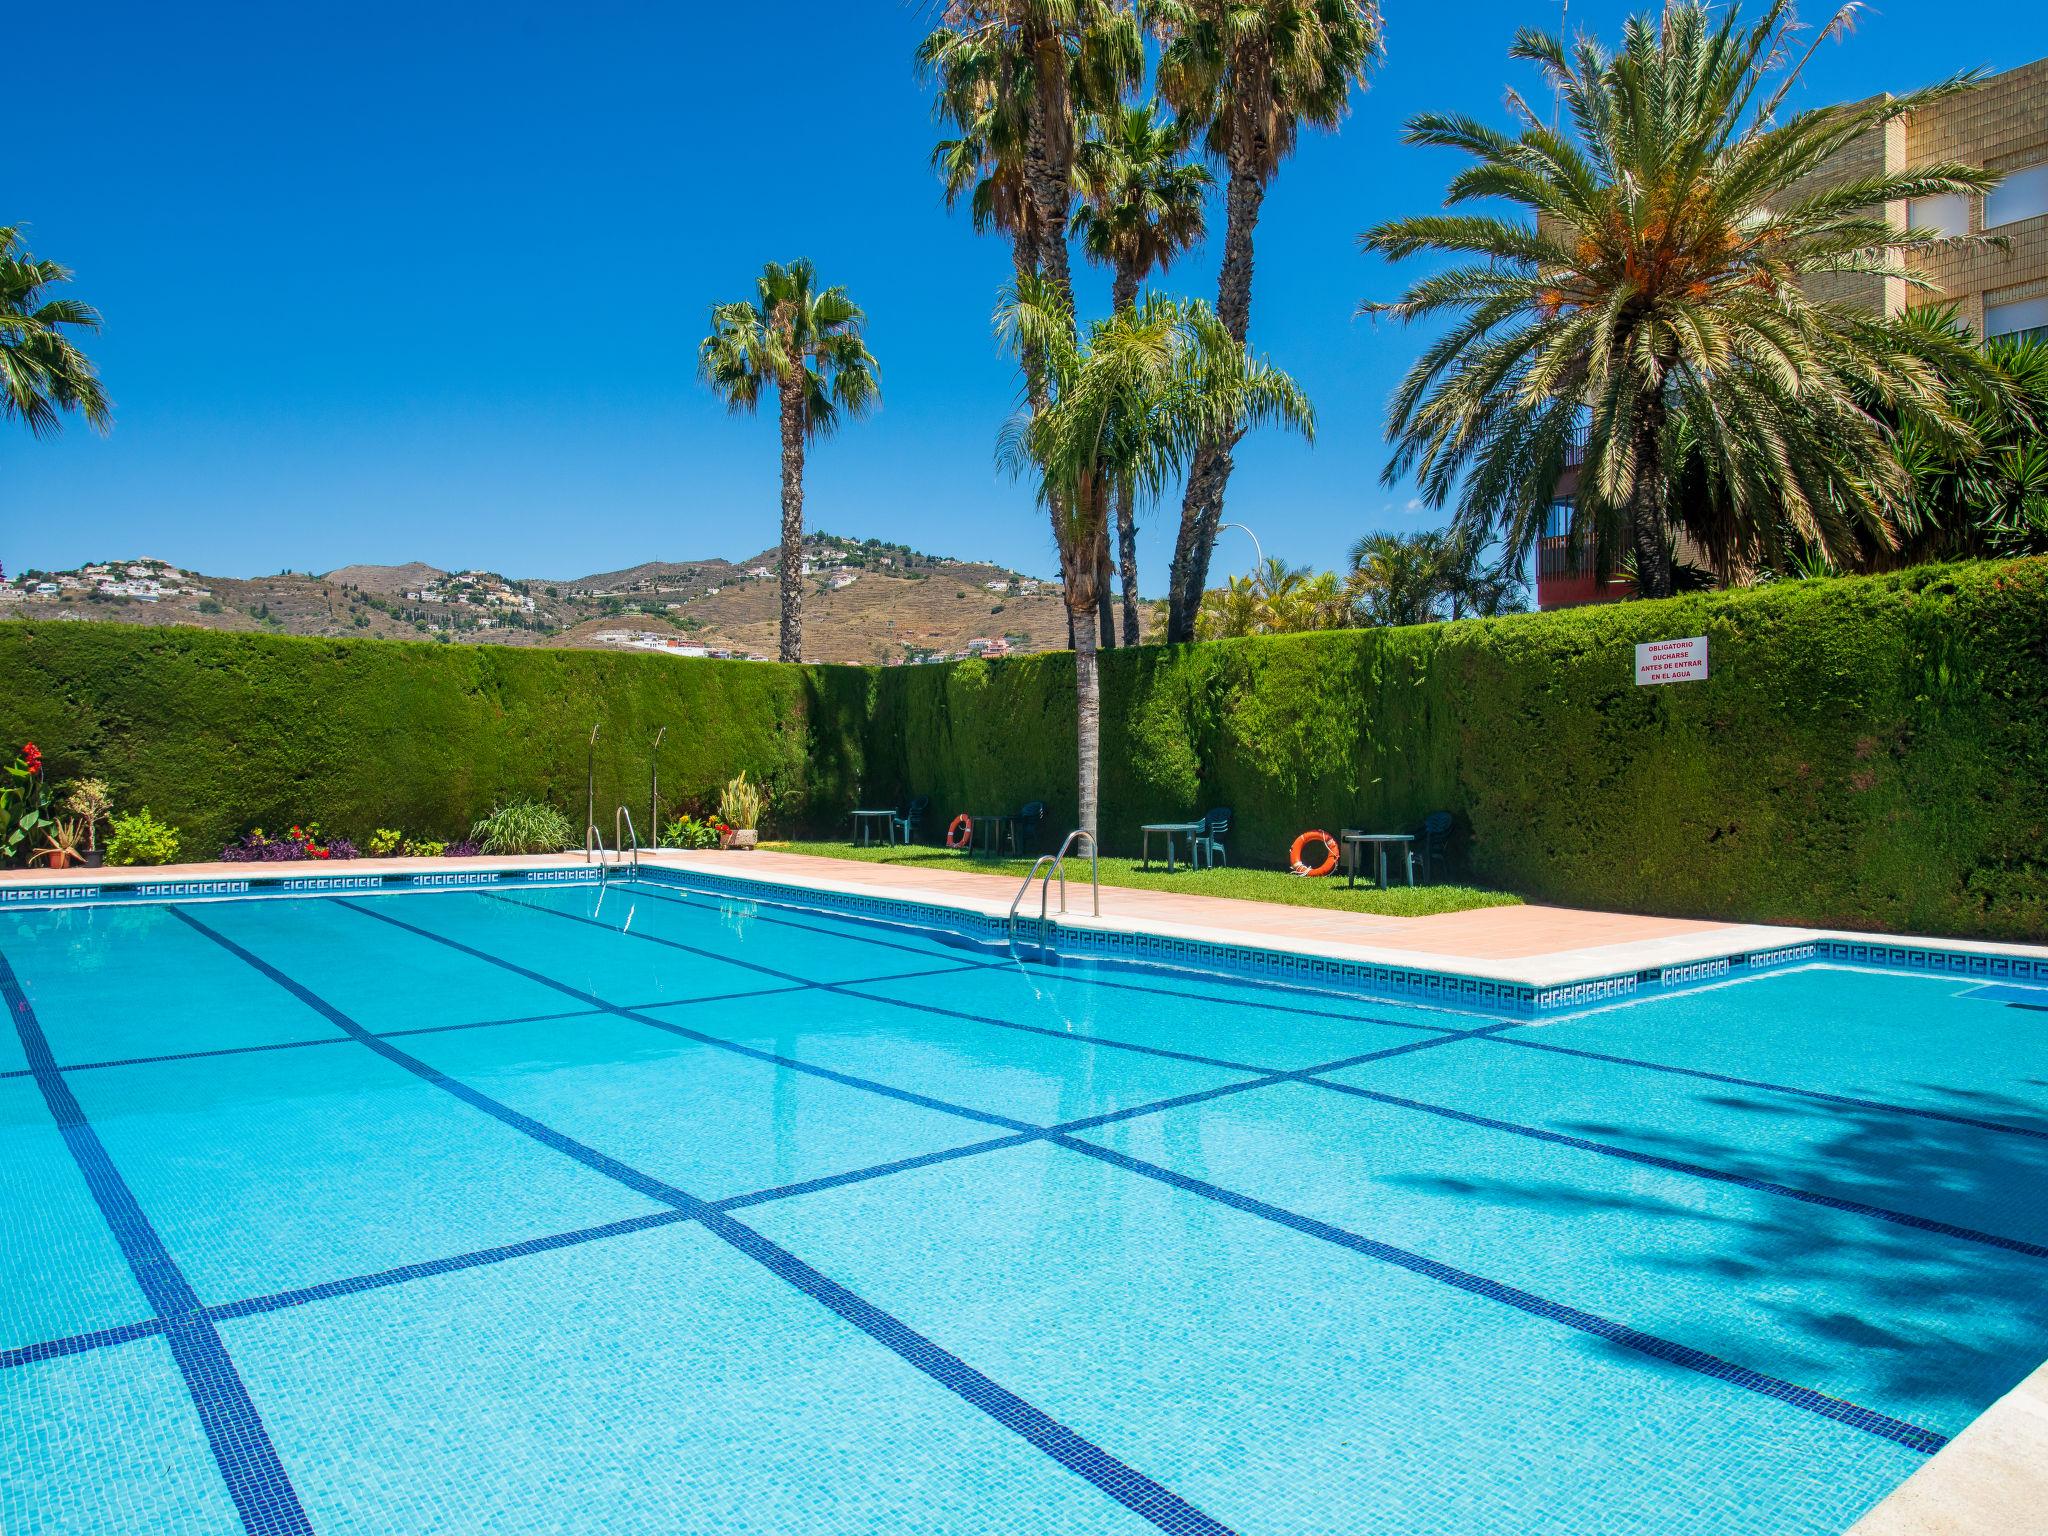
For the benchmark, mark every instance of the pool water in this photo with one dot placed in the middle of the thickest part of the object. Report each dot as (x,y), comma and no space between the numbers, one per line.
(559,1210)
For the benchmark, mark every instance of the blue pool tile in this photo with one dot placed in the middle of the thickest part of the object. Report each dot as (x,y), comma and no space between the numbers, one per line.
(1026,1077)
(106,1444)
(1918,1041)
(1919,1326)
(656,1383)
(1295,1389)
(1898,1157)
(263,1173)
(711,1121)
(1211,1023)
(122,982)
(61,1272)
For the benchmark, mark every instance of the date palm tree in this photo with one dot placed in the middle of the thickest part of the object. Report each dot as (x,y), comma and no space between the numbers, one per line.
(43,374)
(1249,73)
(1127,402)
(1661,302)
(806,343)
(1143,205)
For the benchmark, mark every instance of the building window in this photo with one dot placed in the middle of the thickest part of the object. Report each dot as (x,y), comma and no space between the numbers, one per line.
(2027,317)
(1945,214)
(2022,195)
(1559,523)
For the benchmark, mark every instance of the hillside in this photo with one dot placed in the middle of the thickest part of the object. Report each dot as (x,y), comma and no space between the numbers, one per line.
(867,601)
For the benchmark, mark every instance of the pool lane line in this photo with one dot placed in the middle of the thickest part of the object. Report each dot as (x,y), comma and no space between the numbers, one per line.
(1128,1486)
(1060,1135)
(1900,1431)
(242,1450)
(1316,1078)
(2038,1133)
(445,1029)
(852,989)
(641,886)
(80,1343)
(1885,1426)
(1008,963)
(1691,1170)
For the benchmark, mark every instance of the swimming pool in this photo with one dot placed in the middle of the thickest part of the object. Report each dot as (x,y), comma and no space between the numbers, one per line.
(640,1209)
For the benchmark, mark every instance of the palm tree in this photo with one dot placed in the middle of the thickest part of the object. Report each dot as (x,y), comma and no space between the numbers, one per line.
(1397,579)
(1016,77)
(1661,298)
(1143,206)
(1250,73)
(1128,402)
(806,343)
(42,372)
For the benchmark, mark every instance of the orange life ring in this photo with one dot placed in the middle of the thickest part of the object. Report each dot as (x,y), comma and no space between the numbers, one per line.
(961,833)
(1329,863)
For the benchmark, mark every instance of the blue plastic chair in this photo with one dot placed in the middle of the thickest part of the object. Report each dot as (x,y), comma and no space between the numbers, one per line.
(1207,850)
(1432,846)
(904,823)
(1027,825)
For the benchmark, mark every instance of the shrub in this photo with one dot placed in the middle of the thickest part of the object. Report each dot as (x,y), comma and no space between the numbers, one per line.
(139,838)
(422,848)
(693,832)
(461,848)
(523,826)
(384,842)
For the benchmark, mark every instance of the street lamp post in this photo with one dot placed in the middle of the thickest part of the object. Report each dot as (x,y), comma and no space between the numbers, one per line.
(1256,547)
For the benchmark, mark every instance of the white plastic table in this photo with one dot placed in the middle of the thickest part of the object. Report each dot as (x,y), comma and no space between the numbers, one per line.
(1172,829)
(1380,842)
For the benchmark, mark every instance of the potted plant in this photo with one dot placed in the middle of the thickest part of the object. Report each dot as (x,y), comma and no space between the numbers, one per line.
(90,801)
(61,851)
(740,807)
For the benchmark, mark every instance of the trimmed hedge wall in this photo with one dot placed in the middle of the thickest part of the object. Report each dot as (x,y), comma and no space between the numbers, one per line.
(1869,753)
(216,732)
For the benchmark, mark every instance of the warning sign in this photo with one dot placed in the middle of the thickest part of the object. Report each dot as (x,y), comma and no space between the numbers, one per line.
(1672,661)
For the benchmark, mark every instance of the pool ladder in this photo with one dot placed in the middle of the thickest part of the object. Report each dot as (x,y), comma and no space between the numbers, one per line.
(1055,864)
(626,841)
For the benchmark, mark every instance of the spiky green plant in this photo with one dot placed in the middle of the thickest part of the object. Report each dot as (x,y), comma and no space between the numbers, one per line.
(43,374)
(805,343)
(1667,295)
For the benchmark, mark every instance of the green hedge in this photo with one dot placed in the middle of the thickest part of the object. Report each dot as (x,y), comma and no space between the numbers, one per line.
(1869,753)
(217,732)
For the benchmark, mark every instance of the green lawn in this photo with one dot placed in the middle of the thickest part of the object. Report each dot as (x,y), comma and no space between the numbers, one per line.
(1247,884)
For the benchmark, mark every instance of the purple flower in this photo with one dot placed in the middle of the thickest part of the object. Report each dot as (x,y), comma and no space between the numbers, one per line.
(464,849)
(341,848)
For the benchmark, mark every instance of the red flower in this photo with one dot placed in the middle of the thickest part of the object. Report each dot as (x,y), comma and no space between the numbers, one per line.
(32,757)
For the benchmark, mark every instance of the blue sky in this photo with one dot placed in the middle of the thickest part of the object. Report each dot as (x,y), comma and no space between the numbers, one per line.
(386,282)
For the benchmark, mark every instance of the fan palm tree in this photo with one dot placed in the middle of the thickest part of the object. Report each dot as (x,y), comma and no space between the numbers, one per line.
(1249,73)
(805,342)
(43,374)
(1128,402)
(1662,298)
(1143,206)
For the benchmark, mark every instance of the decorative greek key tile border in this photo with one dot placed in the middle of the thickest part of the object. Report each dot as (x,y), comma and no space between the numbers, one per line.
(292,885)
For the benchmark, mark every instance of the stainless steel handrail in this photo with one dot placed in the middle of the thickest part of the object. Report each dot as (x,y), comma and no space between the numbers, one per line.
(1042,860)
(619,837)
(1059,867)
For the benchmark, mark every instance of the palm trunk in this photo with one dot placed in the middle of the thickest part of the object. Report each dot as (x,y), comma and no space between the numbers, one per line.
(1048,165)
(1081,560)
(792,522)
(1646,513)
(1105,598)
(1201,508)
(1127,550)
(1123,296)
